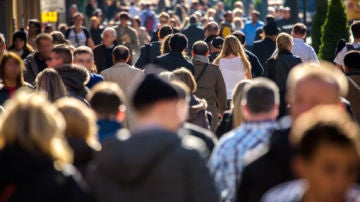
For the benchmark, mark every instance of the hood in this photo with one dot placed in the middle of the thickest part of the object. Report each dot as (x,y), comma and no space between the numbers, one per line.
(197,105)
(128,160)
(75,78)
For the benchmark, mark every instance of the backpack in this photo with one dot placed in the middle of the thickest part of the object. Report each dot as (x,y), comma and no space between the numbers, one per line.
(149,22)
(350,47)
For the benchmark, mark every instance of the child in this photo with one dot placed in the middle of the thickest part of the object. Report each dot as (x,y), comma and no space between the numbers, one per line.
(326,143)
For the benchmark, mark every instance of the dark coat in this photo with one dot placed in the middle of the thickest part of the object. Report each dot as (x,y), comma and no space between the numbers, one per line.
(268,170)
(108,129)
(174,60)
(26,177)
(155,35)
(150,165)
(148,54)
(225,125)
(257,69)
(205,135)
(5,94)
(264,49)
(33,66)
(102,58)
(193,33)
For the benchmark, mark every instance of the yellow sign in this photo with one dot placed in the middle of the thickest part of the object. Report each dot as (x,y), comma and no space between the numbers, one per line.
(49,16)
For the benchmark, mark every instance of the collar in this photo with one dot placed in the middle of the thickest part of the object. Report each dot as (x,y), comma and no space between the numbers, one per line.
(122,64)
(200,58)
(285,52)
(298,40)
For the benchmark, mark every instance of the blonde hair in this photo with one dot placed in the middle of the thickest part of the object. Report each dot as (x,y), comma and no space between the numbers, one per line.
(184,75)
(283,42)
(80,121)
(232,46)
(237,96)
(165,45)
(50,82)
(31,121)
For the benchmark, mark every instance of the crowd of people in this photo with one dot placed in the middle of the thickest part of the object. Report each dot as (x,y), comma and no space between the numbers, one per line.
(139,107)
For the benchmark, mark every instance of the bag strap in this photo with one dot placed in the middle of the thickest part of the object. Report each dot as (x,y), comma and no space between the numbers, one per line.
(76,38)
(353,83)
(202,72)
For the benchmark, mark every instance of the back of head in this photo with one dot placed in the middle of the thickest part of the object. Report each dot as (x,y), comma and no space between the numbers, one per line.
(83,50)
(260,96)
(355,29)
(43,36)
(352,59)
(58,37)
(237,96)
(105,99)
(200,48)
(165,31)
(212,28)
(299,29)
(50,82)
(184,75)
(269,18)
(178,42)
(64,52)
(193,19)
(240,36)
(271,29)
(36,23)
(120,53)
(284,41)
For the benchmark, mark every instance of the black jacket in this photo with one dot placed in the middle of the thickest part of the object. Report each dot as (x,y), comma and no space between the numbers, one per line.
(193,33)
(264,49)
(148,54)
(33,66)
(5,94)
(268,170)
(174,60)
(155,36)
(256,68)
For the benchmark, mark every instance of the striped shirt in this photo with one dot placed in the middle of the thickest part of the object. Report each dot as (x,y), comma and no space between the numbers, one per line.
(228,159)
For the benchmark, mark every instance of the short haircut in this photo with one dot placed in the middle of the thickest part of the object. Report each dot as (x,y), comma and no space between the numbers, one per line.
(193,19)
(164,15)
(164,31)
(240,36)
(77,14)
(64,52)
(185,76)
(178,42)
(43,36)
(256,13)
(299,29)
(355,29)
(111,29)
(324,125)
(212,27)
(121,53)
(352,59)
(261,96)
(83,50)
(200,48)
(36,23)
(269,18)
(124,16)
(105,98)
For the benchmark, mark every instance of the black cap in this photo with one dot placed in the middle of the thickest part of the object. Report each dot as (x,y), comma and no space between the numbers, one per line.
(271,29)
(153,89)
(352,59)
(217,42)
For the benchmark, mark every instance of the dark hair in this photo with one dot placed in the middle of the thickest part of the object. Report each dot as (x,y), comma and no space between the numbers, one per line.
(200,48)
(193,19)
(355,29)
(269,18)
(240,36)
(185,76)
(299,29)
(43,36)
(137,20)
(178,42)
(352,59)
(212,27)
(36,23)
(164,31)
(124,15)
(12,56)
(64,52)
(120,53)
(261,95)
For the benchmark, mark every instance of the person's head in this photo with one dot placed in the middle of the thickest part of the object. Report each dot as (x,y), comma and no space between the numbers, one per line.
(355,29)
(34,27)
(63,27)
(120,54)
(239,5)
(217,44)
(58,38)
(60,55)
(237,96)
(2,45)
(299,31)
(284,41)
(271,29)
(352,61)
(164,18)
(124,18)
(108,101)
(165,108)
(238,23)
(200,48)
(135,22)
(255,15)
(94,22)
(184,75)
(80,121)
(306,81)
(287,12)
(228,16)
(46,137)
(83,55)
(260,100)
(44,44)
(78,19)
(165,31)
(49,28)
(240,36)
(50,82)
(108,36)
(165,45)
(326,144)
(178,42)
(212,28)
(220,6)
(12,69)
(19,40)
(269,18)
(193,19)
(238,13)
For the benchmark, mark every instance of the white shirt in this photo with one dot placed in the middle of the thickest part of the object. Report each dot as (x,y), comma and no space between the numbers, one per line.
(134,11)
(233,71)
(339,59)
(304,51)
(77,39)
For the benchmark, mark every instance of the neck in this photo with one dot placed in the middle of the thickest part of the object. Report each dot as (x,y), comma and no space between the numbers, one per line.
(310,197)
(260,117)
(77,28)
(10,83)
(109,45)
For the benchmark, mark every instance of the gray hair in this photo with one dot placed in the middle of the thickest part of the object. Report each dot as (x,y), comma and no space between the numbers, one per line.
(113,31)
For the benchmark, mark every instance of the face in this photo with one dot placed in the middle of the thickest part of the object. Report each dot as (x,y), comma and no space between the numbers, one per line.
(330,172)
(108,38)
(78,21)
(19,44)
(32,28)
(85,60)
(54,60)
(306,96)
(254,17)
(135,24)
(163,21)
(229,17)
(286,14)
(45,47)
(12,70)
(123,22)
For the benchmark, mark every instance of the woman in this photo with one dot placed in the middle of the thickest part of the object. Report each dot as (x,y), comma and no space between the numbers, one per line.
(80,131)
(280,65)
(50,82)
(233,63)
(165,46)
(95,30)
(77,34)
(20,45)
(11,75)
(34,29)
(144,37)
(35,158)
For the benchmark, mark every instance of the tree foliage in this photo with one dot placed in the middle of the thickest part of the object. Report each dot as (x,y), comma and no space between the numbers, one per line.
(318,21)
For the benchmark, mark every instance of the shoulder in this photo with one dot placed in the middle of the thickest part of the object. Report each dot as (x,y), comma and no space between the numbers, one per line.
(289,191)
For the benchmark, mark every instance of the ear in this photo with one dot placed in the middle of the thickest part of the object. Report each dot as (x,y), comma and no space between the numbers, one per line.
(121,113)
(245,110)
(192,53)
(128,58)
(207,53)
(298,166)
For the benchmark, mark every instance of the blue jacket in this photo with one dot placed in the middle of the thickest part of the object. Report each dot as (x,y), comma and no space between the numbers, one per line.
(108,128)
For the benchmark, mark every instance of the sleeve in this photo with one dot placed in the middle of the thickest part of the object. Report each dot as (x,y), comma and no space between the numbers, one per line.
(257,69)
(339,59)
(312,55)
(87,33)
(142,60)
(67,33)
(220,90)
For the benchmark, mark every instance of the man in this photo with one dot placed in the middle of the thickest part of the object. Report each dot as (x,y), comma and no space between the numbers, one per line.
(256,68)
(126,35)
(250,28)
(219,15)
(2,45)
(285,21)
(36,62)
(121,73)
(193,33)
(148,19)
(355,30)
(129,166)
(84,56)
(59,55)
(227,27)
(210,82)
(77,34)
(108,102)
(211,31)
(175,59)
(268,168)
(164,19)
(215,48)
(103,52)
(149,52)
(300,48)
(260,108)
(264,49)
(352,70)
